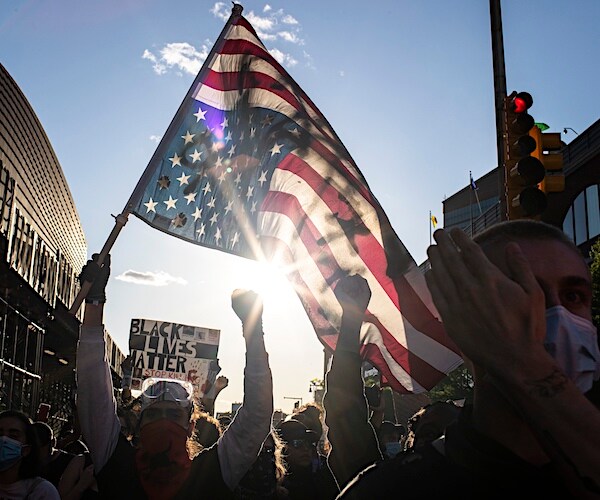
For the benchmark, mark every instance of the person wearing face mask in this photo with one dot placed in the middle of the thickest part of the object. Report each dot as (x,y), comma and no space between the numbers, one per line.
(162,465)
(517,303)
(19,460)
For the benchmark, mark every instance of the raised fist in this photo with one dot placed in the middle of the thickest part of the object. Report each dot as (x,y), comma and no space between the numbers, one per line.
(354,294)
(247,305)
(98,275)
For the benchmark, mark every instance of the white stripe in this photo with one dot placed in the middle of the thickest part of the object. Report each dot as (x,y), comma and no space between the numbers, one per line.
(380,305)
(231,63)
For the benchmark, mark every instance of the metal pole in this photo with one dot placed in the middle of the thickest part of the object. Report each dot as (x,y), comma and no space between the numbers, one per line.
(499,96)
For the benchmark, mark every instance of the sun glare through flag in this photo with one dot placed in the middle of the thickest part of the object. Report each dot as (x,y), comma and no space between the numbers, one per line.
(250,166)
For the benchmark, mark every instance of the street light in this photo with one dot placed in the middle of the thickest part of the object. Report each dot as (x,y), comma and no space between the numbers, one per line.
(566,129)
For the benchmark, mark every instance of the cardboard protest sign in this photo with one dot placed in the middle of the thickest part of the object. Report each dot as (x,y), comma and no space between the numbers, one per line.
(163,349)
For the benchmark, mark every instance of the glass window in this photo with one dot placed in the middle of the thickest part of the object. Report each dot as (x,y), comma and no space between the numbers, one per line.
(580,219)
(593,211)
(568,224)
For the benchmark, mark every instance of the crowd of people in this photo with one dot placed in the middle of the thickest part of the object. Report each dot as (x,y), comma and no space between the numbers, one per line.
(516,300)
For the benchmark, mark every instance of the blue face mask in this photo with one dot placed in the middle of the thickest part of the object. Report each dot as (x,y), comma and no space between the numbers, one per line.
(392,449)
(10,452)
(573,343)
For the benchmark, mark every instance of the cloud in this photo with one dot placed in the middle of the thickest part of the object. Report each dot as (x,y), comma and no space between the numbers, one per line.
(220,10)
(159,278)
(287,19)
(180,55)
(289,37)
(268,24)
(155,138)
(283,58)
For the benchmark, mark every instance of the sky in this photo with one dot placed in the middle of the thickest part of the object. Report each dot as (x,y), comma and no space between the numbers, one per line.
(407,86)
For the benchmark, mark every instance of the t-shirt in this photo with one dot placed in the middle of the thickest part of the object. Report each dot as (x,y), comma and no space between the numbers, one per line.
(34,488)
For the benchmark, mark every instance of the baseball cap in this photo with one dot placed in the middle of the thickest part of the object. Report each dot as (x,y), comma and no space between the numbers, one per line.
(291,430)
(165,389)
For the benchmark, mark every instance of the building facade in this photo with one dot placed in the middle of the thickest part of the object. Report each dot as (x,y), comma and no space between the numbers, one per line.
(576,209)
(42,250)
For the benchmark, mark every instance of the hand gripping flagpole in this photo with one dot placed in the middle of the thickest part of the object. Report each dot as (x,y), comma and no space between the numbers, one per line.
(121,220)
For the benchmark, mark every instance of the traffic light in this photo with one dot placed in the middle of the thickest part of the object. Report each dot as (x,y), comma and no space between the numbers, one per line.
(523,172)
(548,146)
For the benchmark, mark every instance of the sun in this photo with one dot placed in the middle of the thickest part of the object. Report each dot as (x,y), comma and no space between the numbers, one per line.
(269,282)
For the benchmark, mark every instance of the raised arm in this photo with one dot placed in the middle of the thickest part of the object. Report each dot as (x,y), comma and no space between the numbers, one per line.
(239,445)
(353,440)
(96,405)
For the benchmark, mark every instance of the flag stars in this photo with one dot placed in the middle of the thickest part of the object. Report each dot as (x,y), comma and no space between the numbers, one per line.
(242,136)
(267,120)
(295,133)
(253,207)
(218,236)
(250,193)
(216,146)
(219,162)
(188,137)
(206,189)
(170,202)
(191,198)
(151,206)
(195,156)
(263,178)
(252,132)
(225,123)
(231,151)
(276,149)
(200,115)
(238,179)
(197,214)
(164,182)
(212,202)
(235,239)
(179,220)
(229,207)
(183,179)
(228,137)
(222,177)
(202,231)
(214,218)
(175,160)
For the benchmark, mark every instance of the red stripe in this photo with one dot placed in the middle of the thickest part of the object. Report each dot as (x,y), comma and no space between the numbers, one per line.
(371,252)
(245,48)
(412,364)
(373,354)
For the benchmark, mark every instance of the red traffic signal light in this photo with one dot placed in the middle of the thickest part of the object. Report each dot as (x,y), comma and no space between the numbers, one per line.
(522,172)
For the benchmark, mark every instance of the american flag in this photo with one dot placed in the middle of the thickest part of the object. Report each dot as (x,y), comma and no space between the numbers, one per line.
(250,166)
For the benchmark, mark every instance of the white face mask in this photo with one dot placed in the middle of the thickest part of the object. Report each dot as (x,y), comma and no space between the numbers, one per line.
(572,341)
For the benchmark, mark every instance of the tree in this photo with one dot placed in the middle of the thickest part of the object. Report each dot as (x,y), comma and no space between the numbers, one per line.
(457,385)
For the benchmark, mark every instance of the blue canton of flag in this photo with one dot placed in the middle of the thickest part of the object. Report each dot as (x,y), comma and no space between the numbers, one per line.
(210,185)
(250,166)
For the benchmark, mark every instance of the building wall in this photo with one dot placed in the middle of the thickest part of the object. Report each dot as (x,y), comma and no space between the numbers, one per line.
(42,250)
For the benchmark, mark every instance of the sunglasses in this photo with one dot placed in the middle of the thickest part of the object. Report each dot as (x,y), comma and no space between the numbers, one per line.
(301,443)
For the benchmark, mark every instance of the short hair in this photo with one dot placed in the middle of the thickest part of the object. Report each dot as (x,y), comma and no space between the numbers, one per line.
(43,432)
(30,465)
(523,229)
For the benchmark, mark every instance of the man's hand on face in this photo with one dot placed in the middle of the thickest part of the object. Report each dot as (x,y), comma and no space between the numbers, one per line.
(497,321)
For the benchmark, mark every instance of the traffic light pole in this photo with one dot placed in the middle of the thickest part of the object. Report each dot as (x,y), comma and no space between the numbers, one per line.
(499,96)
